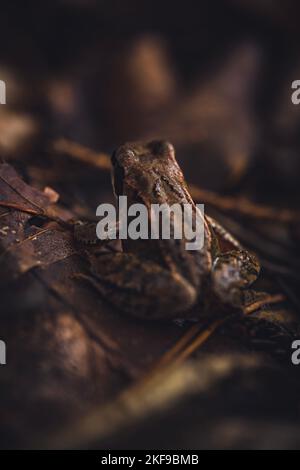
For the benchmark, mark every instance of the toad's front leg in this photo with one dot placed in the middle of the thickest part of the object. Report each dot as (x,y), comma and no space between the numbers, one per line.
(234,269)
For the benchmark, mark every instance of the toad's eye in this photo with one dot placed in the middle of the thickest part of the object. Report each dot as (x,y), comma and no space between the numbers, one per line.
(162,148)
(118,177)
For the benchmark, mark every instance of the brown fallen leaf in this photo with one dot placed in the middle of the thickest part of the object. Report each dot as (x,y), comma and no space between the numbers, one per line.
(27,237)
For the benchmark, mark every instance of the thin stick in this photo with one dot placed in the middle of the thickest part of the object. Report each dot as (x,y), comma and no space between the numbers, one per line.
(82,153)
(272,299)
(240,205)
(182,353)
(200,340)
(244,206)
(38,212)
(177,347)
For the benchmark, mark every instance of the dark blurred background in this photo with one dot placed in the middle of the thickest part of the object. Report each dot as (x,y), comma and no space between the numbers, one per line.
(214,77)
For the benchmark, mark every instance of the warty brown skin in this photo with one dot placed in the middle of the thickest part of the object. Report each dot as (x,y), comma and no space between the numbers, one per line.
(161,278)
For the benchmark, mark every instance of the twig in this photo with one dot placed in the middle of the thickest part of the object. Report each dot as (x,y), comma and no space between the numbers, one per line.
(271,299)
(239,205)
(47,213)
(183,349)
(81,153)
(199,340)
(244,207)
(177,347)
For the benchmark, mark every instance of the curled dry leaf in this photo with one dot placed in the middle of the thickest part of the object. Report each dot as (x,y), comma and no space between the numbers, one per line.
(28,238)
